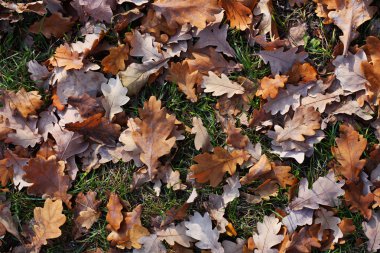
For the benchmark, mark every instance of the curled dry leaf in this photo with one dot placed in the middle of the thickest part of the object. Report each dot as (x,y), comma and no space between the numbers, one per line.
(202,138)
(212,167)
(114,215)
(26,103)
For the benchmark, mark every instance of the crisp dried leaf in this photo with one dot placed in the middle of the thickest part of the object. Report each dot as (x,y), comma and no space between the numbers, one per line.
(200,228)
(26,103)
(144,46)
(298,218)
(65,57)
(187,11)
(221,85)
(186,80)
(212,167)
(262,167)
(324,191)
(269,86)
(304,240)
(55,25)
(239,15)
(151,243)
(372,231)
(202,138)
(328,221)
(356,200)
(115,61)
(100,10)
(175,234)
(114,216)
(349,17)
(48,219)
(115,96)
(350,147)
(154,136)
(281,61)
(267,235)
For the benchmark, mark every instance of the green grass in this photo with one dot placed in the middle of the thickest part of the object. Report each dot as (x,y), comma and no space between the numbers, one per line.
(14,55)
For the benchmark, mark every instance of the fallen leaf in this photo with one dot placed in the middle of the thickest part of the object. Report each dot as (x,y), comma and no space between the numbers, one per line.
(202,138)
(298,218)
(115,96)
(99,10)
(151,243)
(48,219)
(304,240)
(200,228)
(263,166)
(267,234)
(114,215)
(115,61)
(26,103)
(221,85)
(350,147)
(86,212)
(239,15)
(186,80)
(175,234)
(356,200)
(372,230)
(144,46)
(269,86)
(55,25)
(212,167)
(328,221)
(187,11)
(65,57)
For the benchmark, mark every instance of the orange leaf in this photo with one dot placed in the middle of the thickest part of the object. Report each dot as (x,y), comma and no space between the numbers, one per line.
(269,86)
(115,61)
(212,167)
(65,57)
(239,15)
(185,79)
(114,215)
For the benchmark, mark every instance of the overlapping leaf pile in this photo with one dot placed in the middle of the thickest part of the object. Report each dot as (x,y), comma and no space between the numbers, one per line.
(83,124)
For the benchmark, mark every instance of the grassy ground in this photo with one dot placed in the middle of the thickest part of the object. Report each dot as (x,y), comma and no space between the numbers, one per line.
(14,54)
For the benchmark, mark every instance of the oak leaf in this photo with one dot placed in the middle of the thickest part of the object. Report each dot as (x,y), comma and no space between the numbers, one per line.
(350,147)
(267,234)
(372,231)
(372,71)
(114,215)
(212,167)
(144,46)
(269,86)
(324,191)
(86,105)
(304,240)
(281,61)
(202,138)
(115,61)
(48,178)
(349,17)
(298,218)
(48,219)
(97,128)
(234,136)
(115,96)
(86,212)
(302,72)
(187,11)
(6,220)
(26,103)
(55,25)
(263,166)
(221,85)
(328,221)
(154,136)
(65,57)
(175,234)
(186,80)
(239,15)
(100,10)
(200,228)
(151,243)
(356,200)
(304,123)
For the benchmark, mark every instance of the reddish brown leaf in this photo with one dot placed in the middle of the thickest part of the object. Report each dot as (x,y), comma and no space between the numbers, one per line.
(26,103)
(350,147)
(56,25)
(97,128)
(355,199)
(114,216)
(185,79)
(115,61)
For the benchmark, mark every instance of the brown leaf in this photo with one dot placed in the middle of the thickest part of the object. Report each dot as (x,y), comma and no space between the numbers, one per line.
(212,167)
(355,199)
(175,214)
(115,61)
(267,236)
(235,138)
(304,240)
(221,85)
(6,173)
(302,72)
(269,86)
(349,17)
(347,226)
(6,220)
(47,222)
(48,178)
(372,71)
(114,215)
(239,15)
(180,74)
(97,128)
(304,123)
(282,174)
(86,212)
(26,103)
(130,231)
(65,57)
(350,147)
(55,25)
(187,11)
(86,105)
(263,166)
(154,136)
